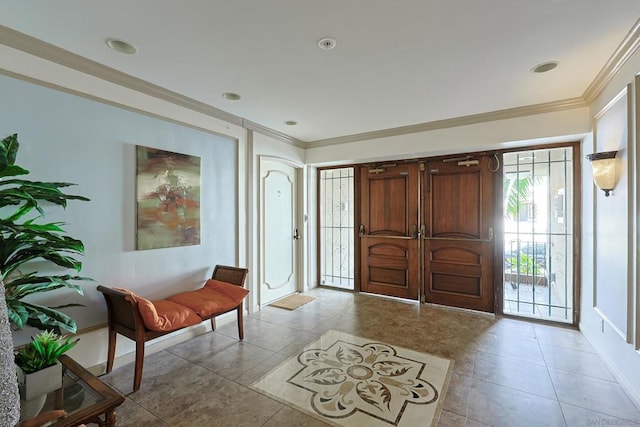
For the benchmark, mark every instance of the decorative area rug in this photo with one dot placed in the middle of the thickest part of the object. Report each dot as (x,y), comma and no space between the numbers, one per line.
(351,381)
(292,302)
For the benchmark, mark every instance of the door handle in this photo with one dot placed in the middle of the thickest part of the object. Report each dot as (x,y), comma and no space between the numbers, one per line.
(296,236)
(361,230)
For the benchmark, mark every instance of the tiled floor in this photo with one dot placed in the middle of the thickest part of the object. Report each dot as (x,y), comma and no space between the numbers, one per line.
(507,372)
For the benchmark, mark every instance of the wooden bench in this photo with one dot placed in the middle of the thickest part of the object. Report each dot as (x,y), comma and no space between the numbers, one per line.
(133,316)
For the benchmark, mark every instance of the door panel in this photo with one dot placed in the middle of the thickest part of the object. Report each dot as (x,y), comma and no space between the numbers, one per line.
(458,246)
(455,202)
(388,233)
(278,217)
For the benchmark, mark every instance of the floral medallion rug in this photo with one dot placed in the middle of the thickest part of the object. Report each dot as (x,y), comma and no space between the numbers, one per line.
(347,380)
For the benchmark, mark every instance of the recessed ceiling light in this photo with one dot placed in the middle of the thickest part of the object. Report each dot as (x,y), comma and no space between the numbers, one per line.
(121,46)
(544,67)
(327,43)
(231,96)
(290,123)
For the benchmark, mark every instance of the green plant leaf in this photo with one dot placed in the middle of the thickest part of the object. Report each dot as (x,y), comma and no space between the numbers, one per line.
(12,170)
(4,157)
(18,314)
(42,317)
(30,284)
(10,144)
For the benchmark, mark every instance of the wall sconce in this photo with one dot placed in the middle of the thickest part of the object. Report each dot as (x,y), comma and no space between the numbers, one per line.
(604,170)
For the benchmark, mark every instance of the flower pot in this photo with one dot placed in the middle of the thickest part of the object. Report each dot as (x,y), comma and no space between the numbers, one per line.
(40,382)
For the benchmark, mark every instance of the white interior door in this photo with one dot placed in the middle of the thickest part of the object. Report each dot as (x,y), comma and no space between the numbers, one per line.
(279,236)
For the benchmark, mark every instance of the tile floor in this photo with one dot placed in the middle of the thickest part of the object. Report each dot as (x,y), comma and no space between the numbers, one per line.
(507,372)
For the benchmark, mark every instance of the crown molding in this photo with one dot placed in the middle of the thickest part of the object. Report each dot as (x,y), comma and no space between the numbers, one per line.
(84,95)
(510,113)
(622,54)
(33,46)
(248,124)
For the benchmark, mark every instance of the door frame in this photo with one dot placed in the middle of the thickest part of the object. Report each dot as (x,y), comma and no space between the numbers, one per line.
(298,215)
(577,229)
(498,226)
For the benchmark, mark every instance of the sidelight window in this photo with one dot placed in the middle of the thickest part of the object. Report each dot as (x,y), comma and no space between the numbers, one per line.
(337,250)
(538,238)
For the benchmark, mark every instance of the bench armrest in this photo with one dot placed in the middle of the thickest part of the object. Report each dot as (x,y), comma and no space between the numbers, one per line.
(122,309)
(233,275)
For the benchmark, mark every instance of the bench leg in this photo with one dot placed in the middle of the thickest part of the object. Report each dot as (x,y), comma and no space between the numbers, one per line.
(111,352)
(137,376)
(240,323)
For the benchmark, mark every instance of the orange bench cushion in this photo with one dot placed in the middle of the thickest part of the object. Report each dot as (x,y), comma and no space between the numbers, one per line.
(164,315)
(214,298)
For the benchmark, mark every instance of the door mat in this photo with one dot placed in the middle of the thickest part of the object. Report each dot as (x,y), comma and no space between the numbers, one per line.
(292,302)
(342,379)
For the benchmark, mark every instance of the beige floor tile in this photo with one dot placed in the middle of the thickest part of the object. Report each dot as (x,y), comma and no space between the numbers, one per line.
(580,417)
(575,361)
(527,350)
(513,372)
(234,361)
(497,405)
(562,337)
(457,398)
(130,414)
(249,376)
(288,417)
(449,419)
(203,345)
(594,394)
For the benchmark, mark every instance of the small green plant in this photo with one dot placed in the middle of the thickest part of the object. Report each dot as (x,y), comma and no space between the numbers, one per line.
(525,264)
(43,351)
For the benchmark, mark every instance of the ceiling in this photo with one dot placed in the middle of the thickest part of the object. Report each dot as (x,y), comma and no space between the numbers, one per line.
(396,63)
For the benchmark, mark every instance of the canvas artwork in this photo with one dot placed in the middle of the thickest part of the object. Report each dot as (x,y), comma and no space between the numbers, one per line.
(168,199)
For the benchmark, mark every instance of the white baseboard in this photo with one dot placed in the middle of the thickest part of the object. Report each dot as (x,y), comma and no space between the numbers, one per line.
(619,376)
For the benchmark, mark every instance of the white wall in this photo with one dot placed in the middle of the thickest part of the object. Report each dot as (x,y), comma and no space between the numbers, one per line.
(609,305)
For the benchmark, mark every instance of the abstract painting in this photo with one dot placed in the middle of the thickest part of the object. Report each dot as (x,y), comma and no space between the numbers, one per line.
(168,199)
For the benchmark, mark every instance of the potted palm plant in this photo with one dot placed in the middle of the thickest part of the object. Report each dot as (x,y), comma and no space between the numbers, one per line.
(25,238)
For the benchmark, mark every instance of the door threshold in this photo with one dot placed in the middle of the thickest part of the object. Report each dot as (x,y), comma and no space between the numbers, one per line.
(390,297)
(464,310)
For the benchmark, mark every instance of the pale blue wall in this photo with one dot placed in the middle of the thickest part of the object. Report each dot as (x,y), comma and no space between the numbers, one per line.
(68,138)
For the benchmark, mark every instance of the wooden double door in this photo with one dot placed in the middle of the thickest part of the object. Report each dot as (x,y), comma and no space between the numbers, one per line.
(427,231)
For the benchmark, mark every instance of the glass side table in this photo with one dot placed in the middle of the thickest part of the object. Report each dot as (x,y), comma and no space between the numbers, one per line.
(84,397)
